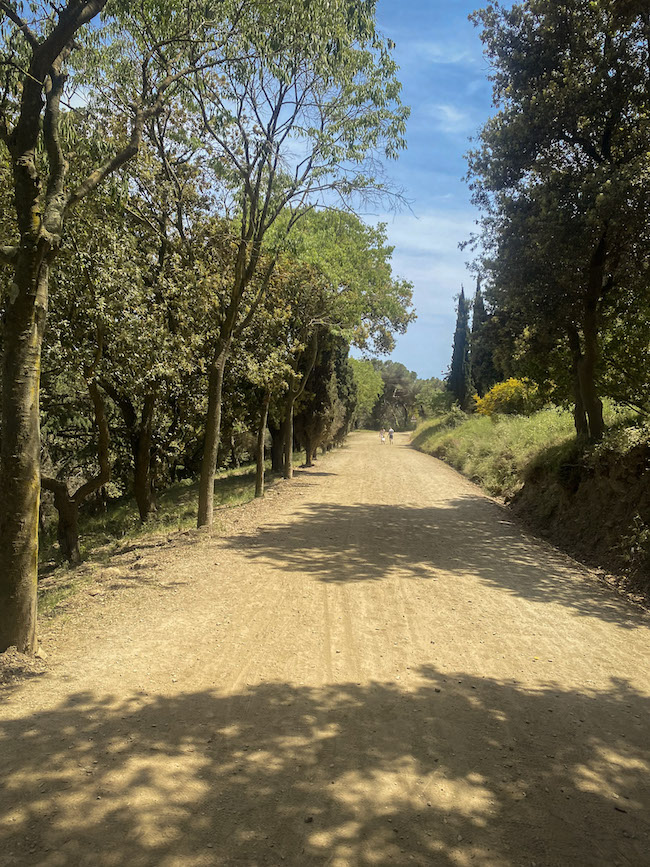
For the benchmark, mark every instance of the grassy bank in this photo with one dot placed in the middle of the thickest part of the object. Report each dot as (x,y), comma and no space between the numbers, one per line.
(100,536)
(498,452)
(494,452)
(176,509)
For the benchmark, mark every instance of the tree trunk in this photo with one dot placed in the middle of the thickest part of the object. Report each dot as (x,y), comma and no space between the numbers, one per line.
(308,451)
(141,448)
(67,505)
(288,440)
(68,518)
(593,405)
(140,437)
(212,435)
(234,459)
(295,390)
(277,447)
(24,323)
(590,330)
(68,530)
(579,414)
(259,452)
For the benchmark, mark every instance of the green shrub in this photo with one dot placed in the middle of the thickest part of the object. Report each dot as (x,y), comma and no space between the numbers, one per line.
(512,397)
(495,452)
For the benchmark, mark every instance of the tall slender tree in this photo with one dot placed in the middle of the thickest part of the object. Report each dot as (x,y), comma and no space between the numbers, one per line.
(39,49)
(313,78)
(484,372)
(459,379)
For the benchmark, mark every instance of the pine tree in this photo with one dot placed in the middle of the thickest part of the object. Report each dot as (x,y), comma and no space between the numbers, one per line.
(459,380)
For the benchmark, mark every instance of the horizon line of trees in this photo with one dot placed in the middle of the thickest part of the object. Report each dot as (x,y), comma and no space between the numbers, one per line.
(391,395)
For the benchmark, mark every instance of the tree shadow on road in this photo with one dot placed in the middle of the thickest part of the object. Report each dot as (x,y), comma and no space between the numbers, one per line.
(456,770)
(372,542)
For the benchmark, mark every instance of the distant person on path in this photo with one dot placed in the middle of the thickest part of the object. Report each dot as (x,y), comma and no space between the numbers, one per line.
(382,436)
(391,434)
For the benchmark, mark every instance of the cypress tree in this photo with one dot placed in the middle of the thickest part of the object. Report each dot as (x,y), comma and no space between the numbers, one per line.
(459,380)
(484,373)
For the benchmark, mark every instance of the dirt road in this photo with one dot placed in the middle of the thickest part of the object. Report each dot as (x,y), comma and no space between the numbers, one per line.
(373,666)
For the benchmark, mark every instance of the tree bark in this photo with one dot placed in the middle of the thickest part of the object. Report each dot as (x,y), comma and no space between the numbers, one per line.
(212,436)
(277,447)
(296,387)
(68,505)
(308,451)
(259,453)
(593,405)
(141,439)
(288,439)
(68,518)
(24,323)
(579,414)
(590,328)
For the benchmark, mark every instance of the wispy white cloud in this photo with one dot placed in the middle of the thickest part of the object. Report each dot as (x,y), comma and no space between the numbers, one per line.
(447,52)
(451,120)
(427,254)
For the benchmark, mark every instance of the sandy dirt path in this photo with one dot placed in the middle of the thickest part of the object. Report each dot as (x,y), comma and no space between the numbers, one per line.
(373,666)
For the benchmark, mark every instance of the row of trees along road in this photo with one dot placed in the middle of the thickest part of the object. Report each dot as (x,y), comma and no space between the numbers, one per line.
(561,173)
(179,184)
(391,395)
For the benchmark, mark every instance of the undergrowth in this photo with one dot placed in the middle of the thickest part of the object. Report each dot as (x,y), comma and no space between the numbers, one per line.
(498,451)
(100,536)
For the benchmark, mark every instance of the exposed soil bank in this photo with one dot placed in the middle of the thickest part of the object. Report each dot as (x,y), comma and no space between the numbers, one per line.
(596,506)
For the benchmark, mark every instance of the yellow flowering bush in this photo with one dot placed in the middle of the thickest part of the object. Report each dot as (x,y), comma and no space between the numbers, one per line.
(512,397)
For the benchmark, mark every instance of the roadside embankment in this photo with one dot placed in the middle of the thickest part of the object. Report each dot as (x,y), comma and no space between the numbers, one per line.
(593,502)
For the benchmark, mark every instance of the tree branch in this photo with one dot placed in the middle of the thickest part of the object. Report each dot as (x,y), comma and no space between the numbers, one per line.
(23,26)
(104,473)
(55,197)
(142,114)
(95,178)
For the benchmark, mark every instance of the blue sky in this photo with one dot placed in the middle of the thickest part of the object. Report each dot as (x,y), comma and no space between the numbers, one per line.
(444,77)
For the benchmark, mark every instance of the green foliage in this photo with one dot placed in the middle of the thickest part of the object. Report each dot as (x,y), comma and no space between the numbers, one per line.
(432,397)
(326,407)
(512,397)
(459,379)
(370,385)
(561,175)
(365,302)
(213,232)
(397,403)
(494,455)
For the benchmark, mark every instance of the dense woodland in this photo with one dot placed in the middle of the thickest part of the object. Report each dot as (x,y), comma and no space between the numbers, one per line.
(184,266)
(560,173)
